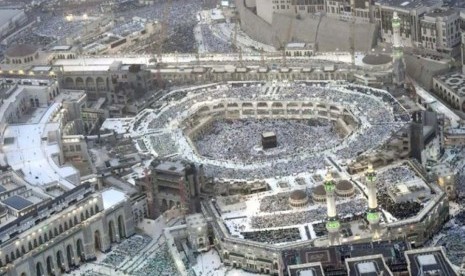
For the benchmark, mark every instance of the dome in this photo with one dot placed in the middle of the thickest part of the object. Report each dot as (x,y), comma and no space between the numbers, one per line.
(319,193)
(376,59)
(298,198)
(345,188)
(21,50)
(344,185)
(319,190)
(298,195)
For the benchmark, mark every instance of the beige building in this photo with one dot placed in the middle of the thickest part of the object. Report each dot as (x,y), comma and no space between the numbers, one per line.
(410,14)
(68,238)
(451,88)
(440,30)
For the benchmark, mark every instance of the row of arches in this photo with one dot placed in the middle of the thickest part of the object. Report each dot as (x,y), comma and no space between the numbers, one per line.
(268,105)
(88,83)
(59,261)
(116,234)
(65,56)
(449,96)
(63,261)
(253,76)
(44,235)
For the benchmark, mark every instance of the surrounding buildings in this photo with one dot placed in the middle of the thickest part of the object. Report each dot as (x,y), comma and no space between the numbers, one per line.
(322,157)
(440,30)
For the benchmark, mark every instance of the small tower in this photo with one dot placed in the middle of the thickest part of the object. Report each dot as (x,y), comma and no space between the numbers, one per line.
(398,63)
(372,212)
(332,223)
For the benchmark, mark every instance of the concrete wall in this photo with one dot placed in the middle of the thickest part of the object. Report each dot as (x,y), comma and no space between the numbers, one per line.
(253,25)
(423,71)
(264,10)
(329,33)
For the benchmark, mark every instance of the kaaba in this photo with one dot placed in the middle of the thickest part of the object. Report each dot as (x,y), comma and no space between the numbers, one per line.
(269,140)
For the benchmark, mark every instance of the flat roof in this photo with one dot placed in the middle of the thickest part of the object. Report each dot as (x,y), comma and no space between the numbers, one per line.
(41,68)
(31,151)
(365,268)
(170,166)
(112,197)
(17,202)
(426,260)
(369,265)
(119,125)
(267,134)
(429,259)
(296,45)
(61,48)
(306,269)
(306,273)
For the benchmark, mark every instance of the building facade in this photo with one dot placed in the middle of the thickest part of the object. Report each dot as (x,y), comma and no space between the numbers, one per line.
(440,30)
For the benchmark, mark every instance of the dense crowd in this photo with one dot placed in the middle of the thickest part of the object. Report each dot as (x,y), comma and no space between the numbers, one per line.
(453,240)
(91,273)
(460,187)
(114,259)
(344,209)
(181,40)
(274,203)
(400,210)
(212,43)
(133,245)
(372,132)
(57,27)
(27,36)
(128,248)
(128,28)
(163,145)
(241,139)
(393,176)
(160,263)
(180,21)
(273,236)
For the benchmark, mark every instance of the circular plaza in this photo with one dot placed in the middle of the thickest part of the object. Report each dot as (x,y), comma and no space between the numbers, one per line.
(221,126)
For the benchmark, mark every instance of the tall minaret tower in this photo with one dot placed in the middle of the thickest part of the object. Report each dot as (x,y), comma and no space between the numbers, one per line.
(398,63)
(372,212)
(332,223)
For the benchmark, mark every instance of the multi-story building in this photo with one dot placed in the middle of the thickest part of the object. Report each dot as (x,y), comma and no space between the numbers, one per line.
(410,13)
(362,11)
(340,9)
(451,88)
(440,30)
(266,8)
(174,185)
(68,235)
(118,83)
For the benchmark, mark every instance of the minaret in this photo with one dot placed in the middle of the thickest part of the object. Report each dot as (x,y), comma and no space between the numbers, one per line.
(398,63)
(332,223)
(372,212)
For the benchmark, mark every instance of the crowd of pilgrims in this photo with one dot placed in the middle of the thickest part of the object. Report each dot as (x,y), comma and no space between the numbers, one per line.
(280,219)
(242,138)
(378,115)
(129,247)
(273,236)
